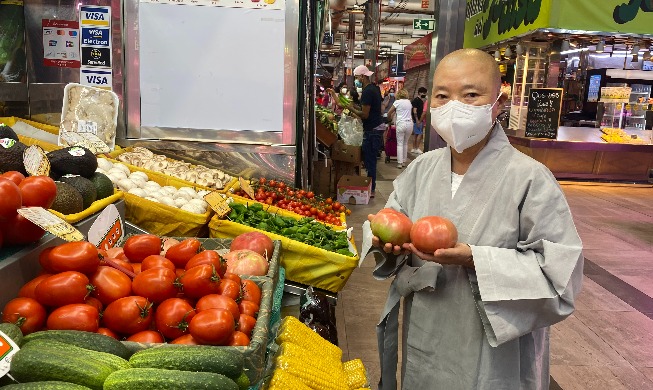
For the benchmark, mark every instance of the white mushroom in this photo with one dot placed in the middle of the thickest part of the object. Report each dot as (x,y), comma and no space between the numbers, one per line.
(201,194)
(139,175)
(152,199)
(191,176)
(116,173)
(180,202)
(138,192)
(167,201)
(126,185)
(182,195)
(122,167)
(104,164)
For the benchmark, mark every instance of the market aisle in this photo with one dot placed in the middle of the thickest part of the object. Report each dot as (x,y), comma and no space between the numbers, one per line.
(606,343)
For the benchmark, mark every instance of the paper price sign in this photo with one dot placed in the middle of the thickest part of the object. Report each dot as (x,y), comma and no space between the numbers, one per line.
(218,203)
(107,229)
(36,162)
(86,127)
(244,184)
(7,350)
(69,138)
(91,142)
(51,223)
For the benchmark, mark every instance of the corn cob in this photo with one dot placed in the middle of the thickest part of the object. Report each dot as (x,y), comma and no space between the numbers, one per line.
(293,331)
(311,375)
(283,380)
(322,363)
(355,374)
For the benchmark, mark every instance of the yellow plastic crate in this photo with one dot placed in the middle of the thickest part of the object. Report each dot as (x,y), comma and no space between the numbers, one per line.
(95,207)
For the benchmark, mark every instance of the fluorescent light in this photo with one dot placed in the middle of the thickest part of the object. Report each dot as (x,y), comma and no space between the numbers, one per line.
(497,55)
(519,49)
(569,51)
(508,52)
(600,47)
(565,46)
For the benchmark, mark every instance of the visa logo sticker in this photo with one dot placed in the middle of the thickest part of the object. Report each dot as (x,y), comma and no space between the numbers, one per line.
(96,78)
(95,16)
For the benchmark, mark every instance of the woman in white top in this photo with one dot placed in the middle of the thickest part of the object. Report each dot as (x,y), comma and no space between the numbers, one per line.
(402,107)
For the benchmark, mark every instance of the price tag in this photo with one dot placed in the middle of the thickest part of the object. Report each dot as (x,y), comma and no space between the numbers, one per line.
(69,138)
(217,203)
(7,142)
(7,350)
(86,127)
(36,162)
(51,223)
(94,144)
(244,184)
(107,230)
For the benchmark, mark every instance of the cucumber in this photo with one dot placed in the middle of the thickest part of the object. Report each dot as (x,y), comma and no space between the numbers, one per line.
(158,379)
(13,332)
(45,385)
(191,358)
(87,340)
(113,361)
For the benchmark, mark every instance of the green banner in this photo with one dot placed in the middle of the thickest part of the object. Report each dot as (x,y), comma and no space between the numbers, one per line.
(610,16)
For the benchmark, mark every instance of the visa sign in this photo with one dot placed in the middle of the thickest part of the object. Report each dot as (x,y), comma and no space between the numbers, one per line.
(96,78)
(94,16)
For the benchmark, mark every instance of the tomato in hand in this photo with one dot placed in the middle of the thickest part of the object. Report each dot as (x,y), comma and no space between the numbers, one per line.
(239,339)
(147,336)
(26,313)
(246,324)
(156,284)
(64,288)
(128,315)
(217,301)
(28,289)
(186,339)
(230,288)
(80,256)
(138,247)
(38,191)
(14,176)
(156,261)
(74,317)
(10,199)
(208,257)
(173,316)
(110,284)
(92,301)
(108,332)
(212,327)
(251,291)
(181,253)
(249,308)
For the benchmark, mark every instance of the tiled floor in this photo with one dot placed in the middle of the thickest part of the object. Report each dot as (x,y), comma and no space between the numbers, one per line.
(607,344)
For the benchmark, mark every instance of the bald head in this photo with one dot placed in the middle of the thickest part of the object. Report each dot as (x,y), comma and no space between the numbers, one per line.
(478,59)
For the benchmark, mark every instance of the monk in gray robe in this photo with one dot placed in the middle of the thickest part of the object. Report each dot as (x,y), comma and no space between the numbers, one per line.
(476,316)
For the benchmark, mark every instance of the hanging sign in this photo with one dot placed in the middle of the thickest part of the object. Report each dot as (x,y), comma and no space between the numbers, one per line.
(61,43)
(543,117)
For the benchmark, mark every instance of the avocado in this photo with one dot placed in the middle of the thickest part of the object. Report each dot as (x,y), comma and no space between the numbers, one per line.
(74,160)
(11,156)
(84,186)
(103,185)
(68,200)
(7,132)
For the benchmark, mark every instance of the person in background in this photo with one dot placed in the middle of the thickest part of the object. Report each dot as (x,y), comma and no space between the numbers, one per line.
(401,110)
(419,116)
(319,96)
(388,100)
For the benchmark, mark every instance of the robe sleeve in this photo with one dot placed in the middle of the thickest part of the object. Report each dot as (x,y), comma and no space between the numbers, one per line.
(535,285)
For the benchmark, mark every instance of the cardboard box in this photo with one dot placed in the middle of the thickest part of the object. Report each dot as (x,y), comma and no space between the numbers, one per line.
(322,175)
(340,169)
(343,152)
(354,190)
(324,135)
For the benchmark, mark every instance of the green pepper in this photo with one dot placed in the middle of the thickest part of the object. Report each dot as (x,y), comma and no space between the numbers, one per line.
(256,207)
(263,226)
(239,208)
(345,252)
(289,231)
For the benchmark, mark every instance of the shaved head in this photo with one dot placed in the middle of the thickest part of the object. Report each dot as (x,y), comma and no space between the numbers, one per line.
(482,61)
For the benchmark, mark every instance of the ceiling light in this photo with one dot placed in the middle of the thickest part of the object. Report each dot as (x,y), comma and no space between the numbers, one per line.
(600,47)
(508,52)
(635,49)
(497,55)
(565,46)
(519,49)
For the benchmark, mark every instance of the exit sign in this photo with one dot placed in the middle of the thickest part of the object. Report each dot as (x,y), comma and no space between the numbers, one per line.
(424,24)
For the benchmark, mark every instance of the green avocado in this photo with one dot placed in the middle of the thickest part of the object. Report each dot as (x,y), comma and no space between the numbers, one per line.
(7,132)
(84,186)
(11,156)
(68,200)
(74,160)
(103,185)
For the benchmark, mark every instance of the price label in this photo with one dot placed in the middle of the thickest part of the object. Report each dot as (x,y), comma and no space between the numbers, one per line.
(51,223)
(217,203)
(7,142)
(36,162)
(107,230)
(244,184)
(69,138)
(7,350)
(91,142)
(86,127)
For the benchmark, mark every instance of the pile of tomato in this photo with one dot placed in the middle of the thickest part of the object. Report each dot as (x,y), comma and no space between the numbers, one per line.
(299,201)
(149,291)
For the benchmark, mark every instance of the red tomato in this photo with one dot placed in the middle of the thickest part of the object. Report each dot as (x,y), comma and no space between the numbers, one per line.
(44,259)
(91,301)
(138,247)
(26,313)
(156,261)
(391,226)
(10,199)
(239,339)
(217,301)
(110,284)
(156,284)
(186,339)
(147,336)
(254,241)
(181,253)
(125,264)
(128,315)
(137,268)
(429,234)
(251,291)
(28,289)
(80,256)
(18,230)
(173,316)
(249,308)
(38,191)
(64,288)
(108,332)
(200,281)
(232,276)
(117,253)
(208,257)
(213,327)
(14,176)
(310,194)
(230,289)
(179,272)
(246,324)
(74,317)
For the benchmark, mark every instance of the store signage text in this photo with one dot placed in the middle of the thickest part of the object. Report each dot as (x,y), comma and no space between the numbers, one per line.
(507,14)
(627,12)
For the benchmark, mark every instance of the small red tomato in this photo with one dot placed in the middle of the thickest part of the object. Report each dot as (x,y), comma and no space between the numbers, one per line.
(14,176)
(156,261)
(95,303)
(213,327)
(28,289)
(239,339)
(246,324)
(156,284)
(108,332)
(128,315)
(140,246)
(38,191)
(186,339)
(249,308)
(26,313)
(64,288)
(146,336)
(78,256)
(181,253)
(10,199)
(230,289)
(217,301)
(75,317)
(200,280)
(173,316)
(208,257)
(251,291)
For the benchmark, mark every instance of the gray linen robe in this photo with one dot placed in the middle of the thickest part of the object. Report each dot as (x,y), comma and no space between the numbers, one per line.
(486,328)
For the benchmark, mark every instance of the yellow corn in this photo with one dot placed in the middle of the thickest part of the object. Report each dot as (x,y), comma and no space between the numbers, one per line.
(323,363)
(294,331)
(355,374)
(311,375)
(283,380)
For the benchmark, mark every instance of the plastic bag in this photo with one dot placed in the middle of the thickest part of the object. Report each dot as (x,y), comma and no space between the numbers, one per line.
(318,314)
(350,130)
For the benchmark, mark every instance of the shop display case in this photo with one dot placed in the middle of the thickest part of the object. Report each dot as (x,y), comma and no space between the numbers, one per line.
(623,115)
(530,72)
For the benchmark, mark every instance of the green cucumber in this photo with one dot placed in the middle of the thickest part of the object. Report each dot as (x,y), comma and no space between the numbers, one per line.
(113,361)
(13,332)
(191,358)
(157,379)
(87,340)
(243,382)
(46,385)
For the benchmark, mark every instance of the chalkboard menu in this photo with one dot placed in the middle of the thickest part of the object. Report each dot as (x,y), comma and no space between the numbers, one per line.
(543,117)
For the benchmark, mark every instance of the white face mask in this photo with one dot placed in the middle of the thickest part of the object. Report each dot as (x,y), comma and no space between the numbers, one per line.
(343,91)
(462,125)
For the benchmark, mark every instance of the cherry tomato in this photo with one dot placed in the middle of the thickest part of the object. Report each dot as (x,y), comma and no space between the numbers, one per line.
(181,253)
(310,195)
(10,199)
(156,261)
(14,176)
(261,180)
(108,332)
(291,193)
(26,313)
(80,317)
(64,288)
(147,336)
(155,284)
(91,301)
(239,339)
(251,291)
(313,211)
(28,289)
(80,256)
(186,339)
(213,326)
(128,315)
(217,301)
(321,214)
(269,201)
(200,281)
(281,185)
(249,308)
(173,316)
(38,191)
(329,200)
(272,183)
(110,284)
(246,324)
(138,247)
(208,257)
(230,289)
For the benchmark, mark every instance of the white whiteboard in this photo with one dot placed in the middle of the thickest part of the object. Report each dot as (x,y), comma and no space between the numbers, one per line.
(211,67)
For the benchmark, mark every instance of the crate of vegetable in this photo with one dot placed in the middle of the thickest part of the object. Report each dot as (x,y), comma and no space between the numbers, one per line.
(314,253)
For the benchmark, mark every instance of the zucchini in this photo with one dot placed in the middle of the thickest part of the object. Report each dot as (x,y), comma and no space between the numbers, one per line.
(46,385)
(191,358)
(157,379)
(13,332)
(113,361)
(87,340)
